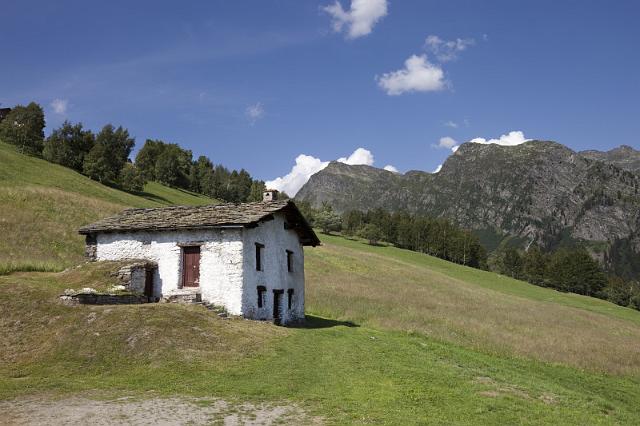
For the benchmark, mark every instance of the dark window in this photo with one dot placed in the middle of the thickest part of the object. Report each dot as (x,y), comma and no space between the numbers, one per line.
(262,291)
(289,260)
(289,297)
(277,309)
(259,248)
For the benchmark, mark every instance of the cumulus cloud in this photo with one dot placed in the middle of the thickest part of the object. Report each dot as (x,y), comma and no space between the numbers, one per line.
(359,156)
(254,112)
(360,19)
(438,168)
(418,75)
(447,142)
(391,169)
(59,106)
(512,138)
(447,50)
(307,165)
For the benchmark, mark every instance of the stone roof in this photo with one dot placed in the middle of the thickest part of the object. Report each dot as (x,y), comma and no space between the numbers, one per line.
(204,217)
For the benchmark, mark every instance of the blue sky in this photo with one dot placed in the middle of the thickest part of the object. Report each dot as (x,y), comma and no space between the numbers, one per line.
(254,84)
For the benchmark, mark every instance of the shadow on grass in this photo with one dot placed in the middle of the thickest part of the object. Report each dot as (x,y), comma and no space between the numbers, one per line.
(312,322)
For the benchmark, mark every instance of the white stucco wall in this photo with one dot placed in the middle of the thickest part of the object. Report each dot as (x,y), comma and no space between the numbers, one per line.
(221,260)
(228,275)
(274,274)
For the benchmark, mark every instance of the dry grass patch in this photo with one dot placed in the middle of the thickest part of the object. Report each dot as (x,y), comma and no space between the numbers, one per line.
(382,292)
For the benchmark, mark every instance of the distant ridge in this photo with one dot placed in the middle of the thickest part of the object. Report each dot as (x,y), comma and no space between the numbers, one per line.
(623,156)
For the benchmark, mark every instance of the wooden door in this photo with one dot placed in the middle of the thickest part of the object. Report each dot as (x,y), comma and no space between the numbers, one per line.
(191,266)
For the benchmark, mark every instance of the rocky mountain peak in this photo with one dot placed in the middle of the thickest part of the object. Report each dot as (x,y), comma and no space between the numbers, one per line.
(537,192)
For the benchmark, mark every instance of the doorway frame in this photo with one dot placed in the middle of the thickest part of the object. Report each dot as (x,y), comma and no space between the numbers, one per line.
(184,248)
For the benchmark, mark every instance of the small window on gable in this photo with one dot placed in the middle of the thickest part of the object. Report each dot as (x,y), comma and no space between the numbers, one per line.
(259,248)
(289,261)
(290,298)
(262,291)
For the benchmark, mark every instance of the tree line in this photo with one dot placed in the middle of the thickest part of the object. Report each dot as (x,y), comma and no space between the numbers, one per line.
(569,269)
(104,157)
(566,269)
(434,236)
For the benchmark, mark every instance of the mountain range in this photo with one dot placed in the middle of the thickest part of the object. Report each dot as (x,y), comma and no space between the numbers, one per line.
(538,192)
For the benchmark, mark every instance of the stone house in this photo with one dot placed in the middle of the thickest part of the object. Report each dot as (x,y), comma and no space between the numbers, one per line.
(247,258)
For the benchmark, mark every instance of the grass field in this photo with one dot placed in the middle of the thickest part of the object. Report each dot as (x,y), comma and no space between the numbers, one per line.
(393,336)
(385,287)
(42,205)
(341,372)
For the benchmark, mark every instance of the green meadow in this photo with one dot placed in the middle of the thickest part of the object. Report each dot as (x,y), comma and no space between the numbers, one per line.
(392,336)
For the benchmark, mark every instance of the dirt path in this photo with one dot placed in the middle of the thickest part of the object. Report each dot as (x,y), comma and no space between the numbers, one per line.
(156,411)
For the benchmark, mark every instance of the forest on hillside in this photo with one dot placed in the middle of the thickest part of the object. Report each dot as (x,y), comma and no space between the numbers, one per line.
(104,157)
(569,269)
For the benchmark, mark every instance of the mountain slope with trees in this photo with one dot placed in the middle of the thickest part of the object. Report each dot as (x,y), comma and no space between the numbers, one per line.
(537,193)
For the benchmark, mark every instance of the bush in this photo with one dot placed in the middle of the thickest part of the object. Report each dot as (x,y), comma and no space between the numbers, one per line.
(371,233)
(131,179)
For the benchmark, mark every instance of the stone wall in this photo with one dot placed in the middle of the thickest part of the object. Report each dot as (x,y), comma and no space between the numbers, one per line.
(133,276)
(90,248)
(103,299)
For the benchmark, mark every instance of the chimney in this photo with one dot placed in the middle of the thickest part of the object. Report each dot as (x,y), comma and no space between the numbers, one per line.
(270,195)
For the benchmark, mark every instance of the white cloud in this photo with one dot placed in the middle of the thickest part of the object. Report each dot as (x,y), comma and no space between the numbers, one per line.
(512,138)
(391,168)
(447,142)
(418,75)
(447,50)
(438,168)
(60,106)
(359,156)
(291,183)
(359,19)
(306,165)
(451,124)
(255,112)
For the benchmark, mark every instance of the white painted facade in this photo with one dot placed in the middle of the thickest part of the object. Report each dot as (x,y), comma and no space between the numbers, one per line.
(228,275)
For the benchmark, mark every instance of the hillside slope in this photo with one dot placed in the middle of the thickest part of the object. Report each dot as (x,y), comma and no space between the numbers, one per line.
(42,205)
(415,340)
(541,192)
(393,337)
